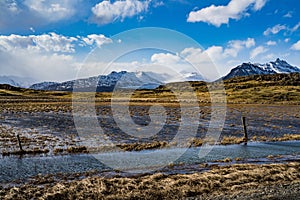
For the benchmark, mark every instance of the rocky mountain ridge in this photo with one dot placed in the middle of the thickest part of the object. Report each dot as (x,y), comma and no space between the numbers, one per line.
(277,67)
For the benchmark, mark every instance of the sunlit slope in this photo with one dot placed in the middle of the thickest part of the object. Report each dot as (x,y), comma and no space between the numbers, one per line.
(261,89)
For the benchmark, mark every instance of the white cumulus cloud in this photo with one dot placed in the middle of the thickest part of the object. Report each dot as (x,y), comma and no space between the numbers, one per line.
(275,29)
(42,57)
(218,15)
(51,42)
(52,10)
(296,46)
(165,58)
(271,43)
(220,56)
(257,51)
(99,40)
(41,66)
(46,57)
(235,46)
(288,15)
(107,11)
(296,27)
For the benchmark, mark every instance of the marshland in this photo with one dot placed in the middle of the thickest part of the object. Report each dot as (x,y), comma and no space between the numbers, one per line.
(55,161)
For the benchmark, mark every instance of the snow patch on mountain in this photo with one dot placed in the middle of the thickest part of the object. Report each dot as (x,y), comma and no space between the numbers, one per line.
(277,67)
(117,80)
(42,85)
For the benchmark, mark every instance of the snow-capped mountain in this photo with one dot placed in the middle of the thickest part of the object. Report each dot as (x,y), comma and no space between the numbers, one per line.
(136,80)
(42,85)
(17,81)
(177,77)
(105,83)
(192,76)
(277,67)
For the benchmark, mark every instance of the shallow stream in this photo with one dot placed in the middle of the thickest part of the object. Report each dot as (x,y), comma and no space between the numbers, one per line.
(148,161)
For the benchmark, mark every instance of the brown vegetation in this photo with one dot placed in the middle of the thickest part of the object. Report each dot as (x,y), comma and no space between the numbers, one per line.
(142,146)
(259,89)
(77,149)
(197,142)
(231,140)
(217,182)
(230,181)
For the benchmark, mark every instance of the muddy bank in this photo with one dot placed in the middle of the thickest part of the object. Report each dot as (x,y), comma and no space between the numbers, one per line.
(240,181)
(54,131)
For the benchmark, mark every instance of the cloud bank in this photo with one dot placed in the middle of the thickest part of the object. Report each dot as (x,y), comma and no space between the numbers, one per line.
(108,12)
(218,15)
(45,57)
(25,14)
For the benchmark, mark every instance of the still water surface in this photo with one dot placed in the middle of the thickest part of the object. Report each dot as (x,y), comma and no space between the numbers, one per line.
(13,168)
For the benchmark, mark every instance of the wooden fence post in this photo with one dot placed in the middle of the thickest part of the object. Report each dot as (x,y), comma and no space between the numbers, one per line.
(245,130)
(19,141)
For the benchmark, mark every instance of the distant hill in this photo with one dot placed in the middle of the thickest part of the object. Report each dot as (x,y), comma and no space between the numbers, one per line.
(291,79)
(243,82)
(254,89)
(10,87)
(277,67)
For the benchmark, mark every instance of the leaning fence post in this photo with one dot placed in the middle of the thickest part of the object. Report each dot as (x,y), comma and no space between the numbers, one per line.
(245,130)
(19,141)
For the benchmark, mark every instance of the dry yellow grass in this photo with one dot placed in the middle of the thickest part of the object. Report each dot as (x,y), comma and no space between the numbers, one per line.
(272,89)
(286,137)
(142,146)
(218,181)
(231,140)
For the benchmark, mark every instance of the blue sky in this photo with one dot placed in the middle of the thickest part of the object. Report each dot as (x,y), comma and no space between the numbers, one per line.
(51,39)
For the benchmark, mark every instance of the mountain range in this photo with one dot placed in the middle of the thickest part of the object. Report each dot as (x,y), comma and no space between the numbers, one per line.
(123,80)
(247,69)
(145,80)
(105,83)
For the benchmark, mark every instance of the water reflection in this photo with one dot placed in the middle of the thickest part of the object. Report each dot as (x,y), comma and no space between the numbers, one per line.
(13,168)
